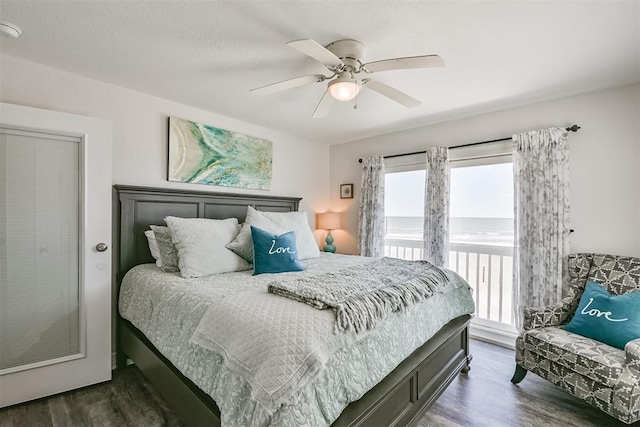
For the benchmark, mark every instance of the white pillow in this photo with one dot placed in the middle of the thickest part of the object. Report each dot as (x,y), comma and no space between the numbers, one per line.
(243,243)
(299,223)
(153,246)
(201,245)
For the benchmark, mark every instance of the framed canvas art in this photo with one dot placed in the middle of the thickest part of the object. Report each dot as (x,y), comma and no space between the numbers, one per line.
(204,154)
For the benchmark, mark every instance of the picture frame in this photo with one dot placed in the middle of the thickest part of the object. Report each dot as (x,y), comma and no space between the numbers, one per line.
(346,191)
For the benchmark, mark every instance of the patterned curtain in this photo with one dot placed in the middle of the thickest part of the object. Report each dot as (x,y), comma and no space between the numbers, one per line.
(371,227)
(541,198)
(436,207)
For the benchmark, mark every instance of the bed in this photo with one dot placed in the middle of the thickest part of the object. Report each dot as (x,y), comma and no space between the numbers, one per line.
(400,398)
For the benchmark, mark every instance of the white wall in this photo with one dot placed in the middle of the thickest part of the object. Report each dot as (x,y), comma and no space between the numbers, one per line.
(140,131)
(605,159)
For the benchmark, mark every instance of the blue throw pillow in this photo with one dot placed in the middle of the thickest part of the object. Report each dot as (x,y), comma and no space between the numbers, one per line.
(613,320)
(274,254)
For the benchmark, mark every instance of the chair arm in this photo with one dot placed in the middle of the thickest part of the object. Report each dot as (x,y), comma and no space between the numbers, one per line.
(632,353)
(628,384)
(541,317)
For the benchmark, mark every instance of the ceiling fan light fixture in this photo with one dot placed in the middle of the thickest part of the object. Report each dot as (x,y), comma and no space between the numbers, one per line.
(344,88)
(7,29)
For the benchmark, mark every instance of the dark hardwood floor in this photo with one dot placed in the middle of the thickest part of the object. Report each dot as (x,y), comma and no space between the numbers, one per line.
(483,397)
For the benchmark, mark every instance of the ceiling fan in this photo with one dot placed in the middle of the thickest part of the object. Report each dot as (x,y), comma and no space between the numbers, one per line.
(344,58)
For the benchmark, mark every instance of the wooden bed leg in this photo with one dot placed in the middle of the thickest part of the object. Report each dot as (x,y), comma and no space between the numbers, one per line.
(121,357)
(466,368)
(465,345)
(121,360)
(519,374)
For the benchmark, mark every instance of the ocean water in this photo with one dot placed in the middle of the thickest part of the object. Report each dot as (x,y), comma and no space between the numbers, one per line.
(486,231)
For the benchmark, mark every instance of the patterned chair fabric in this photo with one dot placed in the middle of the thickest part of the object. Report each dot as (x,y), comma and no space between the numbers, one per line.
(604,376)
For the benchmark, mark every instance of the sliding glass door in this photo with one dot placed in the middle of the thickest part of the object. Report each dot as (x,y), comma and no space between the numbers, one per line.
(481,227)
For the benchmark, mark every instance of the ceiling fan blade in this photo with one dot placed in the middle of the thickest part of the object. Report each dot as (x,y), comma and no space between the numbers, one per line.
(323,106)
(425,61)
(391,93)
(316,51)
(287,84)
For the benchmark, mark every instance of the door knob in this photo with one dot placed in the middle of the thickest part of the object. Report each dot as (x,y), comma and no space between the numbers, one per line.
(101,247)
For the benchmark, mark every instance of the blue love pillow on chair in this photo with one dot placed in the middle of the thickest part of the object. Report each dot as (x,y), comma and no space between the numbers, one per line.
(274,254)
(613,320)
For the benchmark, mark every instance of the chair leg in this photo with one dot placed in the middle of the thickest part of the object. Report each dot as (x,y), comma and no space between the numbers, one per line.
(519,374)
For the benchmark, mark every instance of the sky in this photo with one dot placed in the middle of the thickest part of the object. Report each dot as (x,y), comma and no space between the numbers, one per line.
(476,191)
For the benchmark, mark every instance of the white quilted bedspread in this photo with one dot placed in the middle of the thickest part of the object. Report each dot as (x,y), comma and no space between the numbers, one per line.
(278,345)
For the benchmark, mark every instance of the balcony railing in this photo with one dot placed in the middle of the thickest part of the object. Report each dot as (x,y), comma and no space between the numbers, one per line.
(487,268)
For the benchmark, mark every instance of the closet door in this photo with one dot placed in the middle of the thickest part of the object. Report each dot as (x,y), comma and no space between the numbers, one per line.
(55,274)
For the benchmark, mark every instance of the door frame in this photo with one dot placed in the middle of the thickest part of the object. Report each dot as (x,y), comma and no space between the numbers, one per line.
(95,153)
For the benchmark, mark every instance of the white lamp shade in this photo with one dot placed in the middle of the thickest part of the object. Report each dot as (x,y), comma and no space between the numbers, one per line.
(329,221)
(344,88)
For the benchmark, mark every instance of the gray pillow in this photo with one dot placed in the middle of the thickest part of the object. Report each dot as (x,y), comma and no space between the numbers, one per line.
(243,243)
(168,251)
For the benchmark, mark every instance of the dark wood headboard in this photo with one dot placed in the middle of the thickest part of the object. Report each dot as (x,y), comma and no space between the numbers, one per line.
(136,208)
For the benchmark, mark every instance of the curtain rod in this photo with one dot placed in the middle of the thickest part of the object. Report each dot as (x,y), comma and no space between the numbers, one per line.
(573,128)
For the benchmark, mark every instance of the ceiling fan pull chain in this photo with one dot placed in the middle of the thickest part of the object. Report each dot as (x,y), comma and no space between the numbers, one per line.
(355,103)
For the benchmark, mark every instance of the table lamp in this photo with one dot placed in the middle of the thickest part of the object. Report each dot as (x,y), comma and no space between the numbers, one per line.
(329,221)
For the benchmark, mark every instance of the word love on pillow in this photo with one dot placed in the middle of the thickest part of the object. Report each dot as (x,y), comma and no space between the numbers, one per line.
(613,320)
(274,253)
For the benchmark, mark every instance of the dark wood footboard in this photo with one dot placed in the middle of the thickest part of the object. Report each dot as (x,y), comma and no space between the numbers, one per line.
(400,399)
(403,396)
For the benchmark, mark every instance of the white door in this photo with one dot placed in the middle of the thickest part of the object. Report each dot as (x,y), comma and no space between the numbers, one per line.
(55,252)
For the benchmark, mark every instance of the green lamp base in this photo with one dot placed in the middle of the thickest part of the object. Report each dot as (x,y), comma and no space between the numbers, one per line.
(329,247)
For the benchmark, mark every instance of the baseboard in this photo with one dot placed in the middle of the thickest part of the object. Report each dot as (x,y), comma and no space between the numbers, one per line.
(493,336)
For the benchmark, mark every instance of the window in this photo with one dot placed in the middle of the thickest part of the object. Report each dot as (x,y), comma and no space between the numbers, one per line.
(481,225)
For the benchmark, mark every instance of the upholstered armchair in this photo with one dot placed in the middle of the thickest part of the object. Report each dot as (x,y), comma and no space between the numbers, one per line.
(602,375)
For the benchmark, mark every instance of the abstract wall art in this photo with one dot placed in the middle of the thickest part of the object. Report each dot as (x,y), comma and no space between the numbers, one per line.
(203,154)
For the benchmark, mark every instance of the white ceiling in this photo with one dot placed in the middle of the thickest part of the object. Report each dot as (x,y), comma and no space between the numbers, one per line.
(208,54)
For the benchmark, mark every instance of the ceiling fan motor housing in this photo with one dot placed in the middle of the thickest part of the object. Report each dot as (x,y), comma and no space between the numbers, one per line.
(351,52)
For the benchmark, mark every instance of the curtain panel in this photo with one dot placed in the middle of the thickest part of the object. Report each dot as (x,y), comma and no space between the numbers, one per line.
(541,199)
(436,206)
(371,216)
